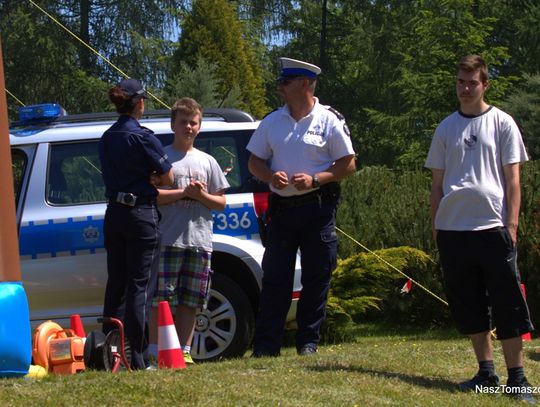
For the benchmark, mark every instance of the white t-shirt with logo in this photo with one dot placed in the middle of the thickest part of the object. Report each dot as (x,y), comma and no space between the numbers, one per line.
(308,146)
(187,223)
(472,152)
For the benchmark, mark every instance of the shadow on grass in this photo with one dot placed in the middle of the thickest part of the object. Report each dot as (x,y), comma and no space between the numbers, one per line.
(381,329)
(534,355)
(421,381)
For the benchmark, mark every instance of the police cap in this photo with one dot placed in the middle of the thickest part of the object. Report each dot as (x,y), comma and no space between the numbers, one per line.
(133,88)
(293,68)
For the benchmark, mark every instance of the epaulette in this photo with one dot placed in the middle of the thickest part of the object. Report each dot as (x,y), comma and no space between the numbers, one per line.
(341,118)
(339,115)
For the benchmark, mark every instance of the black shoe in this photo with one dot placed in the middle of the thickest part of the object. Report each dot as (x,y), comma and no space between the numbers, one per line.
(308,349)
(521,391)
(478,382)
(259,353)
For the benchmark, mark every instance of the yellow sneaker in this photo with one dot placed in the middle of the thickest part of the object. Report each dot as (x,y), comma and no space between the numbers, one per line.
(188,359)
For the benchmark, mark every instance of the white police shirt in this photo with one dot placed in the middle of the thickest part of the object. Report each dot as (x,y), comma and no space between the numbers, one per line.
(308,146)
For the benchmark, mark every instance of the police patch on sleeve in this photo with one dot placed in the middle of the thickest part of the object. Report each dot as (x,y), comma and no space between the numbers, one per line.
(346,129)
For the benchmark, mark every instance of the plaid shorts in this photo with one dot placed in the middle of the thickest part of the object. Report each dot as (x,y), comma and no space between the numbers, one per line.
(183,277)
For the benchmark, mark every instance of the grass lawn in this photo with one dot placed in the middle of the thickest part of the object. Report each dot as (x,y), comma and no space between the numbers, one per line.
(381,367)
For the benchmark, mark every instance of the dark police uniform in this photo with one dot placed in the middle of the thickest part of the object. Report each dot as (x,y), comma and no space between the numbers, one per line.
(129,153)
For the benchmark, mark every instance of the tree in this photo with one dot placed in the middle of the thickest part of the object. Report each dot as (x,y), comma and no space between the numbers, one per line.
(517,28)
(200,83)
(212,31)
(429,46)
(523,104)
(40,65)
(45,63)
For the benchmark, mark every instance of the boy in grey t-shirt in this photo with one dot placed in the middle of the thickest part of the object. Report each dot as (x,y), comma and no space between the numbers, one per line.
(186,224)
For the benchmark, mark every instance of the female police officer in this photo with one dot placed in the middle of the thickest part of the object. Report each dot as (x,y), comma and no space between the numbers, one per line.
(132,161)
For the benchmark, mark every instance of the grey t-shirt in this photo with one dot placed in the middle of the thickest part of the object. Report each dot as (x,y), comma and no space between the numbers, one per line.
(188,223)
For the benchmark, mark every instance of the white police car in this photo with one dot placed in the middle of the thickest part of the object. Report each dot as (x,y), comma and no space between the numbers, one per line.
(60,209)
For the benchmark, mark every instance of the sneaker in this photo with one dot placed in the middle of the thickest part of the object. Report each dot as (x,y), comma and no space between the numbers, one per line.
(188,359)
(479,381)
(521,391)
(151,367)
(308,349)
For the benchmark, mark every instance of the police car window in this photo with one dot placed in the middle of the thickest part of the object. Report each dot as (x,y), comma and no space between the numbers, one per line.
(224,150)
(18,166)
(222,147)
(74,174)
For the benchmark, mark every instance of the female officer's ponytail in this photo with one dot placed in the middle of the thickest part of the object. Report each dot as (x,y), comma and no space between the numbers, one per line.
(126,94)
(124,104)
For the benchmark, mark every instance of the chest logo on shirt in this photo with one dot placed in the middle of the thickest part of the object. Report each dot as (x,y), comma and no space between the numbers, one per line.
(470,142)
(317,130)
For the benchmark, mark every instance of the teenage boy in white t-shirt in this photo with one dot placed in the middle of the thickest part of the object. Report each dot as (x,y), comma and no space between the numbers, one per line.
(475,197)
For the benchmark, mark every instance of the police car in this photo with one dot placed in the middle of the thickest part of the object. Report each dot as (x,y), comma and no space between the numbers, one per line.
(60,205)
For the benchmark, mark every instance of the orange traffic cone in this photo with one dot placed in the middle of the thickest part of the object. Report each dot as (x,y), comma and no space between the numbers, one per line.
(77,326)
(525,336)
(170,354)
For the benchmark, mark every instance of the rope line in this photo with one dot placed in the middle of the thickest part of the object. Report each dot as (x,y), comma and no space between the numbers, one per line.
(392,266)
(94,50)
(14,97)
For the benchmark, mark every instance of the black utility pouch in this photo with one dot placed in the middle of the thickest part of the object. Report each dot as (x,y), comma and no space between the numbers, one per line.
(263,228)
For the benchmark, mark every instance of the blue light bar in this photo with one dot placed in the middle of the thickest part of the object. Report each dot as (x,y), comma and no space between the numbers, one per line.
(43,112)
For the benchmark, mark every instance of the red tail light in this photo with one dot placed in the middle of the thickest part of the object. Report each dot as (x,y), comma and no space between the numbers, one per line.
(260,199)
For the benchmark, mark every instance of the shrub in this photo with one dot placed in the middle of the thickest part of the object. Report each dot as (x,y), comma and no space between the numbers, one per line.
(365,288)
(529,236)
(385,208)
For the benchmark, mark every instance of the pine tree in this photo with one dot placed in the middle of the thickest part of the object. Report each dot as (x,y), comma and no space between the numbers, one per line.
(212,31)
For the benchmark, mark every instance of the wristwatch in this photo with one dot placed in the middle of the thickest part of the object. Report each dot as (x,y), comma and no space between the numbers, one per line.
(315,181)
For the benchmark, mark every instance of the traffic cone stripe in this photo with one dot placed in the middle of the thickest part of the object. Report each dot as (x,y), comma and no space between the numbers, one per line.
(167,338)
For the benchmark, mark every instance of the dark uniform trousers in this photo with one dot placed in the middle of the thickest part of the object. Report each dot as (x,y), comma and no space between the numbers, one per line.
(132,240)
(310,228)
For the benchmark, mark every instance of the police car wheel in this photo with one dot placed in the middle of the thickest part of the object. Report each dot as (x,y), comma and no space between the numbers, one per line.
(225,329)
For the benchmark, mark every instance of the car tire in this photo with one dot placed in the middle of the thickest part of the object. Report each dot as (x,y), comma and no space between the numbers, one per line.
(225,329)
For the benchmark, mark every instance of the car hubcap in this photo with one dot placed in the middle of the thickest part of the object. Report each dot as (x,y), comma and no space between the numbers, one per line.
(214,328)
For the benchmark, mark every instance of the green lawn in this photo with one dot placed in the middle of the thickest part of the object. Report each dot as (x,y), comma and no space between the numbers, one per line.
(380,367)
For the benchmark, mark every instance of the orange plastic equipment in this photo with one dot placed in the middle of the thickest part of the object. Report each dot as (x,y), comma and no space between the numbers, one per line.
(42,337)
(66,355)
(58,350)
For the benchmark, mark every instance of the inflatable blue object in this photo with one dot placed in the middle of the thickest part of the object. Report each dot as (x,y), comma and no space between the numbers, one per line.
(15,334)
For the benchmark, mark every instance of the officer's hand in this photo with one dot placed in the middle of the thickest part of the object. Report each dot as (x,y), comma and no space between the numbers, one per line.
(302,181)
(280,179)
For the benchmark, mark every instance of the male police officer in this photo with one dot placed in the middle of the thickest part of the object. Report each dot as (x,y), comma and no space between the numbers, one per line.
(308,148)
